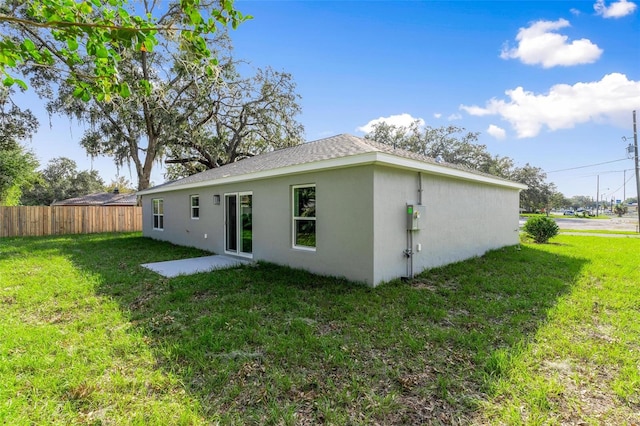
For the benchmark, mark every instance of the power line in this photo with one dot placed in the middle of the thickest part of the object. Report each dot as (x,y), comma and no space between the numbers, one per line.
(589,165)
(621,186)
(605,172)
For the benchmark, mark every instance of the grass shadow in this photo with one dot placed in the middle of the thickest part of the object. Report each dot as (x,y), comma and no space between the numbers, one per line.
(267,345)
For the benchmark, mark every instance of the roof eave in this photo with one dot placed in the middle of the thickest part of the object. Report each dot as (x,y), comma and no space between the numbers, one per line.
(342,162)
(332,163)
(444,170)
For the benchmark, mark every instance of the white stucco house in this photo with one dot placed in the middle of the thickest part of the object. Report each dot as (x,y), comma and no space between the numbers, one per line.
(341,206)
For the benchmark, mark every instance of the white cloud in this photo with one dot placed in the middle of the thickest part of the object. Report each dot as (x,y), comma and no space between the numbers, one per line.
(454,117)
(617,9)
(497,132)
(563,107)
(541,44)
(475,110)
(437,115)
(395,120)
(575,11)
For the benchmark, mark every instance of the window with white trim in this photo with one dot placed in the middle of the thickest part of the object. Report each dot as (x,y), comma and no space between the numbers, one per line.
(158,213)
(195,207)
(304,216)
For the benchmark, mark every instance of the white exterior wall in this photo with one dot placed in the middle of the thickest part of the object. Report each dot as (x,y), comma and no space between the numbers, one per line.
(179,228)
(360,218)
(344,221)
(463,219)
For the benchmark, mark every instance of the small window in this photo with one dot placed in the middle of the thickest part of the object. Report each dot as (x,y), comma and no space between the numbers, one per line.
(195,207)
(216,199)
(158,213)
(304,216)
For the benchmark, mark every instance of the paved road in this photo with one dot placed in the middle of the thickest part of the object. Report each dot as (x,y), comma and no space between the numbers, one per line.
(613,224)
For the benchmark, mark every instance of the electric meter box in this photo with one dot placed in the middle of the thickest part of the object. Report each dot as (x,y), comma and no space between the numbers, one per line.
(416,216)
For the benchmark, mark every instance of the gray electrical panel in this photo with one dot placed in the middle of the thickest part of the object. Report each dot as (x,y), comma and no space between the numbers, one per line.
(416,216)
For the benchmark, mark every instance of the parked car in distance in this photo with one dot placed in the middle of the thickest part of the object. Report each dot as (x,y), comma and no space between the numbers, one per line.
(569,213)
(584,213)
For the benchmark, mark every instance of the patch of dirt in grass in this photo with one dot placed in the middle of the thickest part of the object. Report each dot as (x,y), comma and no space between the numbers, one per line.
(324,328)
(61,317)
(44,316)
(420,284)
(307,415)
(248,371)
(81,392)
(202,295)
(409,381)
(585,396)
(146,296)
(438,393)
(433,284)
(95,417)
(7,300)
(419,410)
(236,355)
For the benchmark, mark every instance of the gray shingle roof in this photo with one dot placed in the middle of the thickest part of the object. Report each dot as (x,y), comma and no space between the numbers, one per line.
(340,146)
(323,149)
(100,199)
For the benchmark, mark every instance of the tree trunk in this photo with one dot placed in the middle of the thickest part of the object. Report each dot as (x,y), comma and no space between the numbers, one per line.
(144,172)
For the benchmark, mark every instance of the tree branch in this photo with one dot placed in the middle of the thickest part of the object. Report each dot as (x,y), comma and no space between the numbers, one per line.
(68,24)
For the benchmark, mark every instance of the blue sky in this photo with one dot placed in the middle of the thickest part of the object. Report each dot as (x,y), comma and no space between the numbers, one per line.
(549,83)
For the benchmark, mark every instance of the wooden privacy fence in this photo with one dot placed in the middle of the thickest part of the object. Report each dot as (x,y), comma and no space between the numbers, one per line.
(28,221)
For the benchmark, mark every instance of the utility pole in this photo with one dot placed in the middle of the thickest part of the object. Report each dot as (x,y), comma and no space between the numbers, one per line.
(598,195)
(635,146)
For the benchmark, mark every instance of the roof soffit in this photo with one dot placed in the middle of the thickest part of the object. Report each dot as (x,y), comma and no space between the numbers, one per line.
(373,157)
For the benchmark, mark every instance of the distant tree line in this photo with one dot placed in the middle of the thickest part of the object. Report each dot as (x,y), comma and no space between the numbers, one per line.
(17,164)
(61,180)
(21,181)
(586,202)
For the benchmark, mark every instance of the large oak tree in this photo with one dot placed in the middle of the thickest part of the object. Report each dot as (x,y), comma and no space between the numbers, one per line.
(177,95)
(194,119)
(232,120)
(127,71)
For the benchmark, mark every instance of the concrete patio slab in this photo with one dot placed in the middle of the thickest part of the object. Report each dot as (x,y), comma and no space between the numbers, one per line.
(173,268)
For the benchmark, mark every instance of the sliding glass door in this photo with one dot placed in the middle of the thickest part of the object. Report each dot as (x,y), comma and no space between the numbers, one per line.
(238,220)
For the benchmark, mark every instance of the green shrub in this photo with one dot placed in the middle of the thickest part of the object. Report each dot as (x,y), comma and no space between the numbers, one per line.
(541,229)
(619,209)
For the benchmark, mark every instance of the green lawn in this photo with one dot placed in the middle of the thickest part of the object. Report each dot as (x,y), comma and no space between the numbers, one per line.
(537,334)
(599,231)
